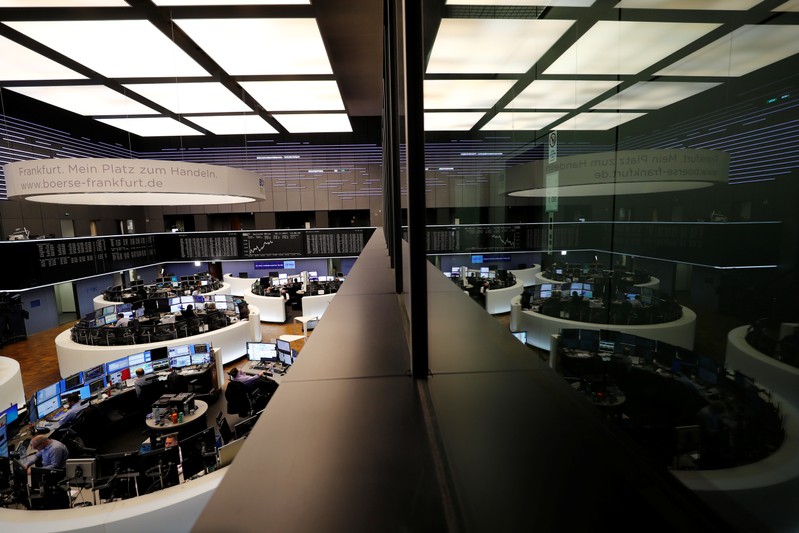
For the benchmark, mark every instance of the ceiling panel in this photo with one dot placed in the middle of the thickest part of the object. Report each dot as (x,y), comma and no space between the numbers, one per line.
(654,94)
(190,97)
(296,95)
(20,63)
(87,100)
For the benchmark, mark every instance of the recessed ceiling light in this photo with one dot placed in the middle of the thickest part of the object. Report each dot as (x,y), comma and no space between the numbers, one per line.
(229,2)
(597,121)
(518,121)
(709,5)
(463,121)
(234,124)
(315,123)
(606,47)
(261,46)
(87,100)
(745,50)
(559,94)
(492,45)
(198,97)
(22,64)
(654,94)
(151,126)
(295,95)
(114,48)
(464,94)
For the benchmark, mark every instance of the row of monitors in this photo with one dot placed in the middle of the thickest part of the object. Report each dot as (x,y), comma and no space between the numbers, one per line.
(271,352)
(91,381)
(680,360)
(108,314)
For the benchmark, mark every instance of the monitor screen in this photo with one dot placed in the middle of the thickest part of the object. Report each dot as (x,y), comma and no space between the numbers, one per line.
(631,296)
(576,287)
(313,274)
(521,335)
(200,358)
(97,385)
(175,300)
(587,294)
(187,299)
(74,381)
(558,271)
(165,461)
(182,349)
(245,426)
(100,322)
(198,452)
(11,414)
(3,436)
(46,393)
(109,310)
(283,345)
(119,364)
(546,294)
(115,378)
(285,358)
(147,367)
(282,276)
(138,358)
(110,319)
(84,391)
(175,308)
(201,348)
(93,373)
(546,286)
(256,351)
(179,361)
(45,408)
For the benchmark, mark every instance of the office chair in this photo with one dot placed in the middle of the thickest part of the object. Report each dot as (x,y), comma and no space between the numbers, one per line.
(239,401)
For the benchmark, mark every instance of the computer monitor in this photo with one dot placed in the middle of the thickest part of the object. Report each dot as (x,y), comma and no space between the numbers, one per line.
(176,308)
(283,345)
(74,381)
(147,367)
(185,300)
(3,436)
(243,428)
(42,395)
(93,373)
(81,471)
(576,287)
(202,358)
(158,469)
(201,348)
(285,358)
(84,391)
(97,385)
(282,275)
(99,322)
(180,361)
(587,294)
(11,414)
(181,349)
(631,296)
(228,452)
(117,365)
(257,351)
(313,274)
(199,452)
(120,376)
(521,335)
(138,359)
(589,340)
(48,406)
(159,357)
(545,294)
(484,270)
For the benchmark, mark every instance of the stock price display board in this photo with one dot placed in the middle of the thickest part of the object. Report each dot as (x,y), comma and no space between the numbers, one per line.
(208,246)
(131,251)
(490,238)
(336,242)
(70,258)
(262,244)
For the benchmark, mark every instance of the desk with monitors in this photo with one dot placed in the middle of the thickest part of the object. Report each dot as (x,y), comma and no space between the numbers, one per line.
(667,389)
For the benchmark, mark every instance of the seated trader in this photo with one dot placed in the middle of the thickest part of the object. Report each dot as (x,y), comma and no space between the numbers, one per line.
(122,320)
(637,303)
(73,408)
(188,312)
(139,381)
(251,382)
(52,453)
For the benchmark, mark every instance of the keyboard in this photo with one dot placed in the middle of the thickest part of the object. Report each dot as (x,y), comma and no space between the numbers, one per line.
(57,415)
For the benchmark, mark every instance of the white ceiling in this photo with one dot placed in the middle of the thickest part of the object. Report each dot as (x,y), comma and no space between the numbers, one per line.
(215,67)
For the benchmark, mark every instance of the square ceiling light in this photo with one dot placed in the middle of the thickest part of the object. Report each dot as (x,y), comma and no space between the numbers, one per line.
(63,3)
(315,122)
(151,126)
(543,3)
(559,94)
(509,46)
(654,94)
(453,121)
(22,64)
(196,97)
(464,94)
(113,48)
(745,50)
(87,100)
(229,2)
(597,121)
(295,95)
(709,5)
(234,124)
(521,121)
(607,48)
(261,46)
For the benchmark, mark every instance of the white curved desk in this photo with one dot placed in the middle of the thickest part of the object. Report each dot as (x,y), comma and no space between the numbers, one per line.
(174,509)
(99,301)
(231,340)
(238,286)
(498,300)
(11,389)
(540,327)
(653,283)
(527,275)
(316,305)
(273,308)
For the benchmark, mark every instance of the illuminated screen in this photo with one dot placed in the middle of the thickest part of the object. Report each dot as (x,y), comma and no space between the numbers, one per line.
(285,358)
(546,294)
(200,358)
(138,359)
(546,286)
(631,296)
(47,407)
(588,294)
(187,299)
(313,274)
(283,346)
(93,373)
(46,393)
(84,391)
(179,361)
(74,381)
(576,286)
(119,364)
(119,376)
(11,414)
(261,350)
(3,437)
(175,308)
(182,349)
(175,300)
(147,367)
(97,385)
(200,348)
